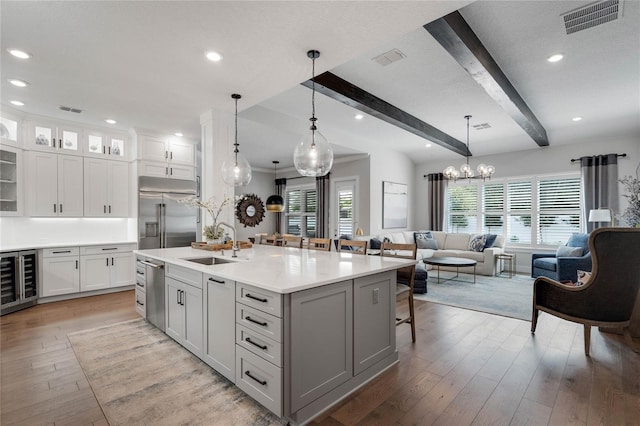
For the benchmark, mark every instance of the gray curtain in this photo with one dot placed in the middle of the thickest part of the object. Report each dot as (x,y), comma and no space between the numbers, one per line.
(322,207)
(281,185)
(435,195)
(600,185)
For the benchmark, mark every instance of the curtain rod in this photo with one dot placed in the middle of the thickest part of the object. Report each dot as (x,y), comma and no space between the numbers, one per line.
(573,160)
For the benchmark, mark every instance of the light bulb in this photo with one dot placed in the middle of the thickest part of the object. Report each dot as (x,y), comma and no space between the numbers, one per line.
(313,156)
(236,172)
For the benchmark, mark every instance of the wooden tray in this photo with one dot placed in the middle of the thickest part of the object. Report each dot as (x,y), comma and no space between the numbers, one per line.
(225,246)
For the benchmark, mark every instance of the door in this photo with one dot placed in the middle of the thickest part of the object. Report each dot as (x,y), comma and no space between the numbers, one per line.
(94,271)
(344,210)
(118,189)
(121,269)
(95,187)
(182,172)
(152,149)
(149,204)
(43,193)
(42,136)
(182,153)
(60,275)
(69,139)
(219,345)
(70,186)
(10,278)
(175,309)
(179,221)
(192,304)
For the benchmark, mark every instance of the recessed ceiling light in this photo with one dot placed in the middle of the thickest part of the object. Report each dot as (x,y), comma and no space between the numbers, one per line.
(110,121)
(214,56)
(359,116)
(18,83)
(19,53)
(428,145)
(555,58)
(577,118)
(178,134)
(17,103)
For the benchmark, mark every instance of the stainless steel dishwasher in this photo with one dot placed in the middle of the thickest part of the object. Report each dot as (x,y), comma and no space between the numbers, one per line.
(154,284)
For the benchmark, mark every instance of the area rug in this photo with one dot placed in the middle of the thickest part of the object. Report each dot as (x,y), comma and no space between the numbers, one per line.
(140,376)
(509,297)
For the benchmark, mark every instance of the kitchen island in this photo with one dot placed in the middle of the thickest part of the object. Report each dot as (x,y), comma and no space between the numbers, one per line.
(296,329)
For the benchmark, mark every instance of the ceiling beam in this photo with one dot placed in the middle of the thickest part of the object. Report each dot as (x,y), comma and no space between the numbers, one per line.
(342,91)
(457,37)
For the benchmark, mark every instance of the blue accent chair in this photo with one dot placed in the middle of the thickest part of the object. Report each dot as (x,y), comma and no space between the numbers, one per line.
(562,268)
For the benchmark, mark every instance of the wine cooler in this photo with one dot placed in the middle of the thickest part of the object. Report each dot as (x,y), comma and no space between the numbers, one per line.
(19,279)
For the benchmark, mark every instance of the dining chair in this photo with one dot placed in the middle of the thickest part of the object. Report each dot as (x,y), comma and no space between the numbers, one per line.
(355,247)
(405,278)
(323,244)
(291,241)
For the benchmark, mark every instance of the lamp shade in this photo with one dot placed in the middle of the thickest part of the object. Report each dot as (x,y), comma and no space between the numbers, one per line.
(236,170)
(313,156)
(275,204)
(600,215)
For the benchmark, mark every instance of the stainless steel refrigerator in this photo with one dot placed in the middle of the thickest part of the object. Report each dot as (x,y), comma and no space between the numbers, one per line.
(162,220)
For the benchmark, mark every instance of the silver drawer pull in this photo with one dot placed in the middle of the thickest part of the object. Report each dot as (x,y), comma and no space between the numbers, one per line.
(248,340)
(262,382)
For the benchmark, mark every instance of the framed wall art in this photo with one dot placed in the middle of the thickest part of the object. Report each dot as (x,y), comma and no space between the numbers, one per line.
(394,205)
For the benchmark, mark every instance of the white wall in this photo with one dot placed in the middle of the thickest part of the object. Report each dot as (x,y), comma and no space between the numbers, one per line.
(538,161)
(393,167)
(263,185)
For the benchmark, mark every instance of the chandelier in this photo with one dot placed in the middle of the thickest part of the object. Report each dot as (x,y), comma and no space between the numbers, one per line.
(466,172)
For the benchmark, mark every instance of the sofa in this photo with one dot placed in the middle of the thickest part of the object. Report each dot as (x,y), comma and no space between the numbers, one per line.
(449,245)
(563,268)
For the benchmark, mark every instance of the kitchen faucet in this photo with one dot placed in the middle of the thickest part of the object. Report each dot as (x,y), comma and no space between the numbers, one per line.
(234,247)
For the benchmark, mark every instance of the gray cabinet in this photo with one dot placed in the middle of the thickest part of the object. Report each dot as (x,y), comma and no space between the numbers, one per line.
(219,318)
(321,339)
(374,331)
(184,314)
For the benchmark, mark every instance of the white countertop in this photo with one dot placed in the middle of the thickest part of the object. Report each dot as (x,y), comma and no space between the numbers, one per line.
(18,246)
(281,269)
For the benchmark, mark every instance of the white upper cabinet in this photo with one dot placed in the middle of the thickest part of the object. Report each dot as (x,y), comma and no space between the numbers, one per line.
(11,192)
(105,145)
(51,136)
(55,184)
(106,188)
(10,130)
(172,158)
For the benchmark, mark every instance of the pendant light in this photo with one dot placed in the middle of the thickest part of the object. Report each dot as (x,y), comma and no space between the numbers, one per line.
(275,203)
(313,156)
(466,171)
(236,170)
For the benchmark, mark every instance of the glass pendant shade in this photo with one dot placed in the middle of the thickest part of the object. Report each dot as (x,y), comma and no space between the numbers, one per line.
(236,170)
(275,204)
(313,156)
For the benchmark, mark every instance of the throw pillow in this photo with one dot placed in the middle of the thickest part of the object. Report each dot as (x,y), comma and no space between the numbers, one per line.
(583,278)
(490,240)
(477,243)
(566,251)
(374,244)
(425,240)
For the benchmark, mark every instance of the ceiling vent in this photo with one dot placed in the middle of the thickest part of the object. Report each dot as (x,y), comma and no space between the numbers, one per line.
(65,108)
(389,57)
(481,126)
(592,15)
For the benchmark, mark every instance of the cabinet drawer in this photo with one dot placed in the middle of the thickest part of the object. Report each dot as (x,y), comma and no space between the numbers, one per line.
(264,300)
(259,345)
(60,251)
(183,274)
(259,379)
(140,303)
(115,248)
(263,323)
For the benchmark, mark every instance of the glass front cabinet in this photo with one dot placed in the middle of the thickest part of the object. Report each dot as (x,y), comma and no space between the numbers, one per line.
(105,145)
(10,181)
(50,136)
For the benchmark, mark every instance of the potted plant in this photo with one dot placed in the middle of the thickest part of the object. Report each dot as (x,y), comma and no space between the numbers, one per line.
(632,214)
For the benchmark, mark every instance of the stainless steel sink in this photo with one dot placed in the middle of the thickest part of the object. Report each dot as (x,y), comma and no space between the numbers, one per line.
(209,260)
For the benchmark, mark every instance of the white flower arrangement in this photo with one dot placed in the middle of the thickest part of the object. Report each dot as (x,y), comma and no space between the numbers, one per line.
(214,231)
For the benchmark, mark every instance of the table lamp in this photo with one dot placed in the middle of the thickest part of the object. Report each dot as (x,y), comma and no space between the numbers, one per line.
(601,215)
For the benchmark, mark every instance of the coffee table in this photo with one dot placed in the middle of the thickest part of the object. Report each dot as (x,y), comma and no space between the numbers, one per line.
(458,262)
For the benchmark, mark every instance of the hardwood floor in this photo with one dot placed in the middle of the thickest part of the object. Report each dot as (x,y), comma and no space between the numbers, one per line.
(465,368)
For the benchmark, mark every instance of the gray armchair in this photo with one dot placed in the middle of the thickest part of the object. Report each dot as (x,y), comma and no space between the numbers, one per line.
(608,299)
(562,268)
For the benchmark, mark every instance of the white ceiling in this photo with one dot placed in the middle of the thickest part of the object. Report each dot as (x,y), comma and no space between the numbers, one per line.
(143,64)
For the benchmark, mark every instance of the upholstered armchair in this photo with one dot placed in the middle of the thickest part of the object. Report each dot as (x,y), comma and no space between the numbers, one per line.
(608,298)
(562,268)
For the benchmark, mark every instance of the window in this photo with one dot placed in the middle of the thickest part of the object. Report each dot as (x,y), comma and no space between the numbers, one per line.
(463,215)
(543,210)
(558,210)
(300,214)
